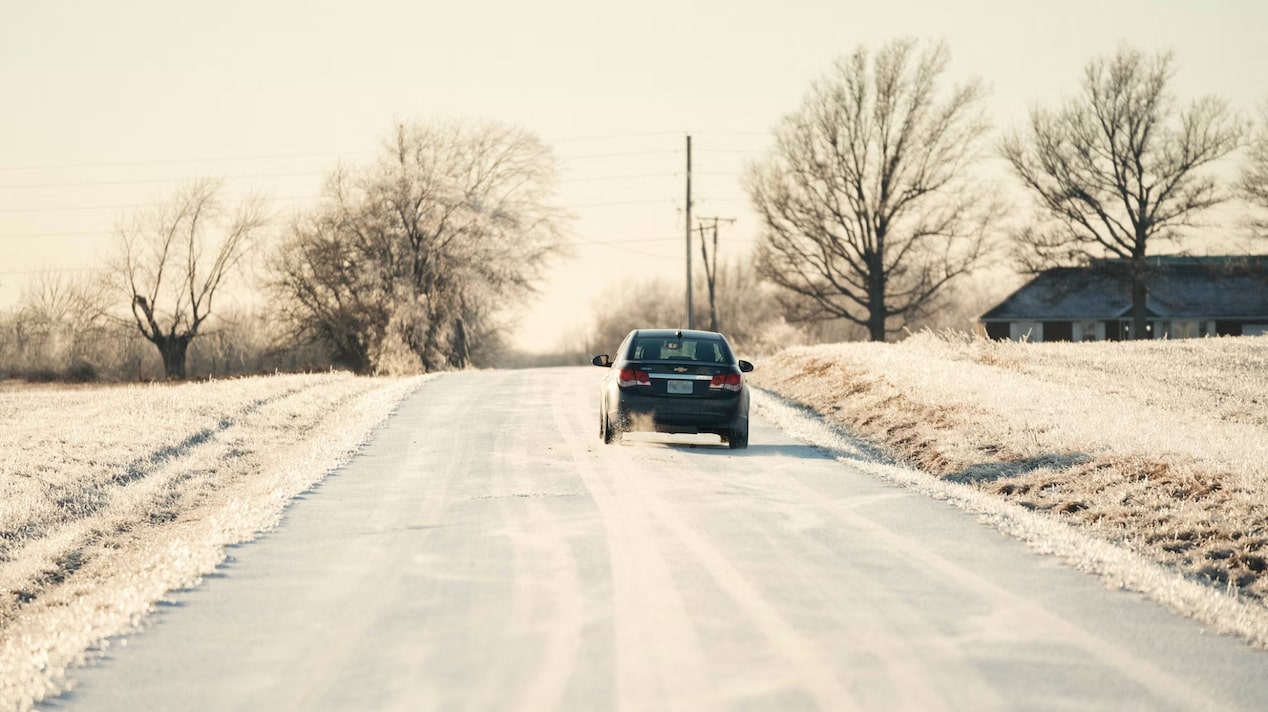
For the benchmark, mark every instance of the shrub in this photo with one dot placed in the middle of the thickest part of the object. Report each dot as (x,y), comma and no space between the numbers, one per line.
(82,372)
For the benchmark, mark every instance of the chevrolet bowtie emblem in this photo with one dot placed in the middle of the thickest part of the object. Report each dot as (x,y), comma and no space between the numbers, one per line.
(680,369)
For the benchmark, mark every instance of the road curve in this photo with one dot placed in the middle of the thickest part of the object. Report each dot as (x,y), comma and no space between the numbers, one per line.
(487,552)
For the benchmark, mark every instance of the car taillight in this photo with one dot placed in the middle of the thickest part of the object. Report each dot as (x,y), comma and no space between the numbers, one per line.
(726,381)
(630,377)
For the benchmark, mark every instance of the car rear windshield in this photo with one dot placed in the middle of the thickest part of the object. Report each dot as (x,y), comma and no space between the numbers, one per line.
(686,349)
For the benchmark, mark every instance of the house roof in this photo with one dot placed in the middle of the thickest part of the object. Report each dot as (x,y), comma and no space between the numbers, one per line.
(1178,288)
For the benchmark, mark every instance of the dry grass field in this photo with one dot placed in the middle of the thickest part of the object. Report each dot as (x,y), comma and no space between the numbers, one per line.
(112,496)
(1159,447)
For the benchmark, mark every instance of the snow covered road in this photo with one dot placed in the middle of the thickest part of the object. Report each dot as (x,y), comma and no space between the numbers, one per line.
(486,551)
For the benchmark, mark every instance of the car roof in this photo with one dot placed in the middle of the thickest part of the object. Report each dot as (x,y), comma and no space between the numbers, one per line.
(679,334)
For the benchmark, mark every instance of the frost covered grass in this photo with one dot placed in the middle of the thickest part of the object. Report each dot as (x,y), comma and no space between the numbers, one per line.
(1158,450)
(112,496)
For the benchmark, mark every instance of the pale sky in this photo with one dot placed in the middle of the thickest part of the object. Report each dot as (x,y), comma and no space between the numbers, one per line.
(106,107)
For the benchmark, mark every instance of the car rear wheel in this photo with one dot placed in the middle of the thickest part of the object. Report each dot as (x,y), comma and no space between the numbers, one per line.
(605,429)
(737,439)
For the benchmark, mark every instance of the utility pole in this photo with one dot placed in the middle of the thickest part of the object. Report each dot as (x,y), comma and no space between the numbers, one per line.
(690,319)
(711,266)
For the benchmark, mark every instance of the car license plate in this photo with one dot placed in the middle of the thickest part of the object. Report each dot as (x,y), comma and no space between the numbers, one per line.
(680,387)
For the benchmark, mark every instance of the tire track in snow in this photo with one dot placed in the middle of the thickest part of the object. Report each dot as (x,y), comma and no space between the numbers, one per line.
(660,663)
(548,599)
(628,496)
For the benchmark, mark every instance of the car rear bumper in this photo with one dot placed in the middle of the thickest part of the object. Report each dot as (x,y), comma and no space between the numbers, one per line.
(681,415)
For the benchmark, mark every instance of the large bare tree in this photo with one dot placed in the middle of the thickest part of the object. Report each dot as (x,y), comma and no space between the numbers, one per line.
(174,259)
(1119,168)
(867,205)
(409,263)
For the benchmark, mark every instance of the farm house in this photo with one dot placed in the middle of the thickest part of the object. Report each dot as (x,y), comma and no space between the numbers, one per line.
(1188,297)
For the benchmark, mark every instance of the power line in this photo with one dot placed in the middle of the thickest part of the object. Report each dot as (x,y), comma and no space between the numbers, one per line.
(296,198)
(723,200)
(609,244)
(52,270)
(143,181)
(102,233)
(640,253)
(364,154)
(571,181)
(302,174)
(736,151)
(273,157)
(134,206)
(613,137)
(628,176)
(34,235)
(617,203)
(640,240)
(176,161)
(620,154)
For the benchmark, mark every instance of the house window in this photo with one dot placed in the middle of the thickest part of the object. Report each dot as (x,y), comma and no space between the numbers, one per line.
(1085,331)
(1025,331)
(1187,329)
(1058,331)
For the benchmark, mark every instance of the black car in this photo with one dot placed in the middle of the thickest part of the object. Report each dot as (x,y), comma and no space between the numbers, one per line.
(674,381)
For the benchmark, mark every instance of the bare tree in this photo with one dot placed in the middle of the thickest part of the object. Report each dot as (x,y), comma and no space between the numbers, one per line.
(1118,168)
(59,298)
(329,285)
(58,326)
(1254,180)
(174,259)
(409,263)
(867,207)
(747,311)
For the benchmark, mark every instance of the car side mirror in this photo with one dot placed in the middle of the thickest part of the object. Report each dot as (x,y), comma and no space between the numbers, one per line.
(602,360)
(745,366)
